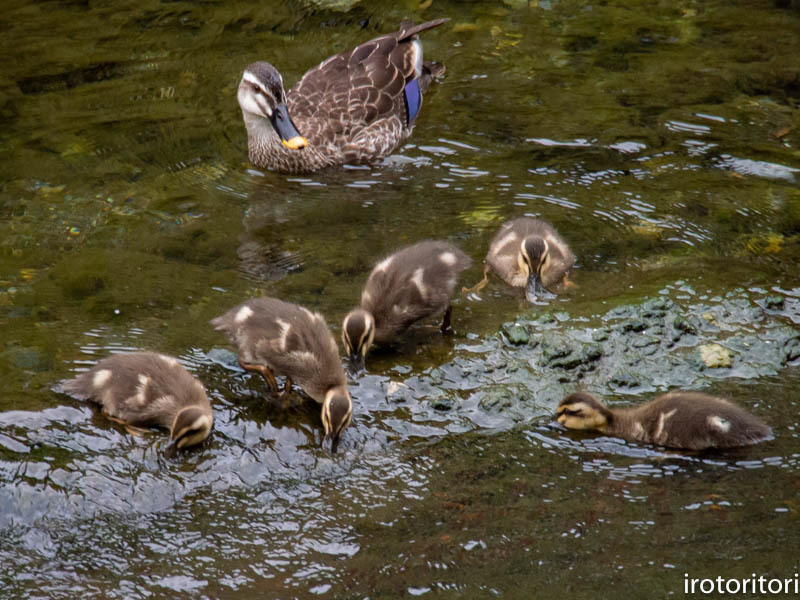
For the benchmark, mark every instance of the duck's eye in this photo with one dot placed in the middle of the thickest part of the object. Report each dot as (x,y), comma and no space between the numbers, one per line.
(256,89)
(571,413)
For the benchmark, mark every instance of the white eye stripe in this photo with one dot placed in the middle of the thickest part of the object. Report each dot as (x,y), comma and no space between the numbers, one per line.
(252,79)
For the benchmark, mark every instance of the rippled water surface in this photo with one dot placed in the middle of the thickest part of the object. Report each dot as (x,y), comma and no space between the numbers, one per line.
(661,139)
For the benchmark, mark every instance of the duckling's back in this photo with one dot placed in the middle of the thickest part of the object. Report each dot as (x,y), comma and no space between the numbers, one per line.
(143,389)
(413,283)
(698,421)
(289,339)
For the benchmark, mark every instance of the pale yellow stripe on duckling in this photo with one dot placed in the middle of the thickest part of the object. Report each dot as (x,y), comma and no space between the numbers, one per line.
(172,362)
(243,314)
(417,280)
(662,419)
(384,264)
(719,423)
(101,378)
(141,389)
(285,327)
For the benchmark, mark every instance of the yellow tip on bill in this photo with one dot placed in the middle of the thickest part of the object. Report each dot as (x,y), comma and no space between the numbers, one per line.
(296,143)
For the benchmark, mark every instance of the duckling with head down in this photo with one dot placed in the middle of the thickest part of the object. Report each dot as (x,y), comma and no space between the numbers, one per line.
(403,288)
(276,337)
(145,389)
(684,420)
(529,253)
(355,107)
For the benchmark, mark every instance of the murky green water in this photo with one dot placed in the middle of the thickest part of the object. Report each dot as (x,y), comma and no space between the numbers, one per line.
(660,138)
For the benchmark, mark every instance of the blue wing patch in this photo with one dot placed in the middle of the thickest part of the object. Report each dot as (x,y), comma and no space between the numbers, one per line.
(413,100)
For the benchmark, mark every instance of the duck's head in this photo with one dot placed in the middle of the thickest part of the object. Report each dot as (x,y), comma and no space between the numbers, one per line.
(358,331)
(261,95)
(533,253)
(190,427)
(583,411)
(337,411)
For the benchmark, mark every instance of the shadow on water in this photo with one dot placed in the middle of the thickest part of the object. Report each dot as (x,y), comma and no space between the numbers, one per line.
(660,140)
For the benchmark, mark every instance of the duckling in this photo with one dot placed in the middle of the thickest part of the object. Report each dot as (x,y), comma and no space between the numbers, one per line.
(277,337)
(403,288)
(355,107)
(145,389)
(529,253)
(685,420)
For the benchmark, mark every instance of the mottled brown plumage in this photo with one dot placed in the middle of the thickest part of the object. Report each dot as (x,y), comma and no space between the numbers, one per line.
(528,252)
(352,108)
(685,420)
(277,337)
(403,288)
(145,389)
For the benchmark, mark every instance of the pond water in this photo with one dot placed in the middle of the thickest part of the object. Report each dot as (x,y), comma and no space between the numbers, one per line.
(662,140)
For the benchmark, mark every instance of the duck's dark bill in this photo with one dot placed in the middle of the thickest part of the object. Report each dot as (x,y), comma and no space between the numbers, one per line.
(290,137)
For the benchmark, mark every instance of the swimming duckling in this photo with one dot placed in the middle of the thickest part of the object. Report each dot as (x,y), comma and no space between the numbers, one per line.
(145,389)
(529,253)
(403,288)
(277,337)
(355,107)
(686,420)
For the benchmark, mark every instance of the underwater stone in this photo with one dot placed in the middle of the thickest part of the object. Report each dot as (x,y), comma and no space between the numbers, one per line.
(626,379)
(442,403)
(792,350)
(555,346)
(657,307)
(223,357)
(715,356)
(559,352)
(626,311)
(436,377)
(497,398)
(516,334)
(690,324)
(643,341)
(31,359)
(546,319)
(774,302)
(634,324)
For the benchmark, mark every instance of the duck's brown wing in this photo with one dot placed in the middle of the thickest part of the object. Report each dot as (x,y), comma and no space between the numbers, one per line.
(364,101)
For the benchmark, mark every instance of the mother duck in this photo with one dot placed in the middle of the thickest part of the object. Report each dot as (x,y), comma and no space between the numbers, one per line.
(355,107)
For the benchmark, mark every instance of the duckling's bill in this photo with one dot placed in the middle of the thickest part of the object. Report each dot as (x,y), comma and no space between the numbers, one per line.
(533,288)
(356,362)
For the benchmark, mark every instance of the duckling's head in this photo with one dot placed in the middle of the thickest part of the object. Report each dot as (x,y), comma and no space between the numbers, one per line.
(533,253)
(261,96)
(583,411)
(358,331)
(191,426)
(337,410)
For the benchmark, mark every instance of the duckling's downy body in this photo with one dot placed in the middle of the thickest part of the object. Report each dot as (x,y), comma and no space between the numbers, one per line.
(277,337)
(685,420)
(145,389)
(411,284)
(529,253)
(355,107)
